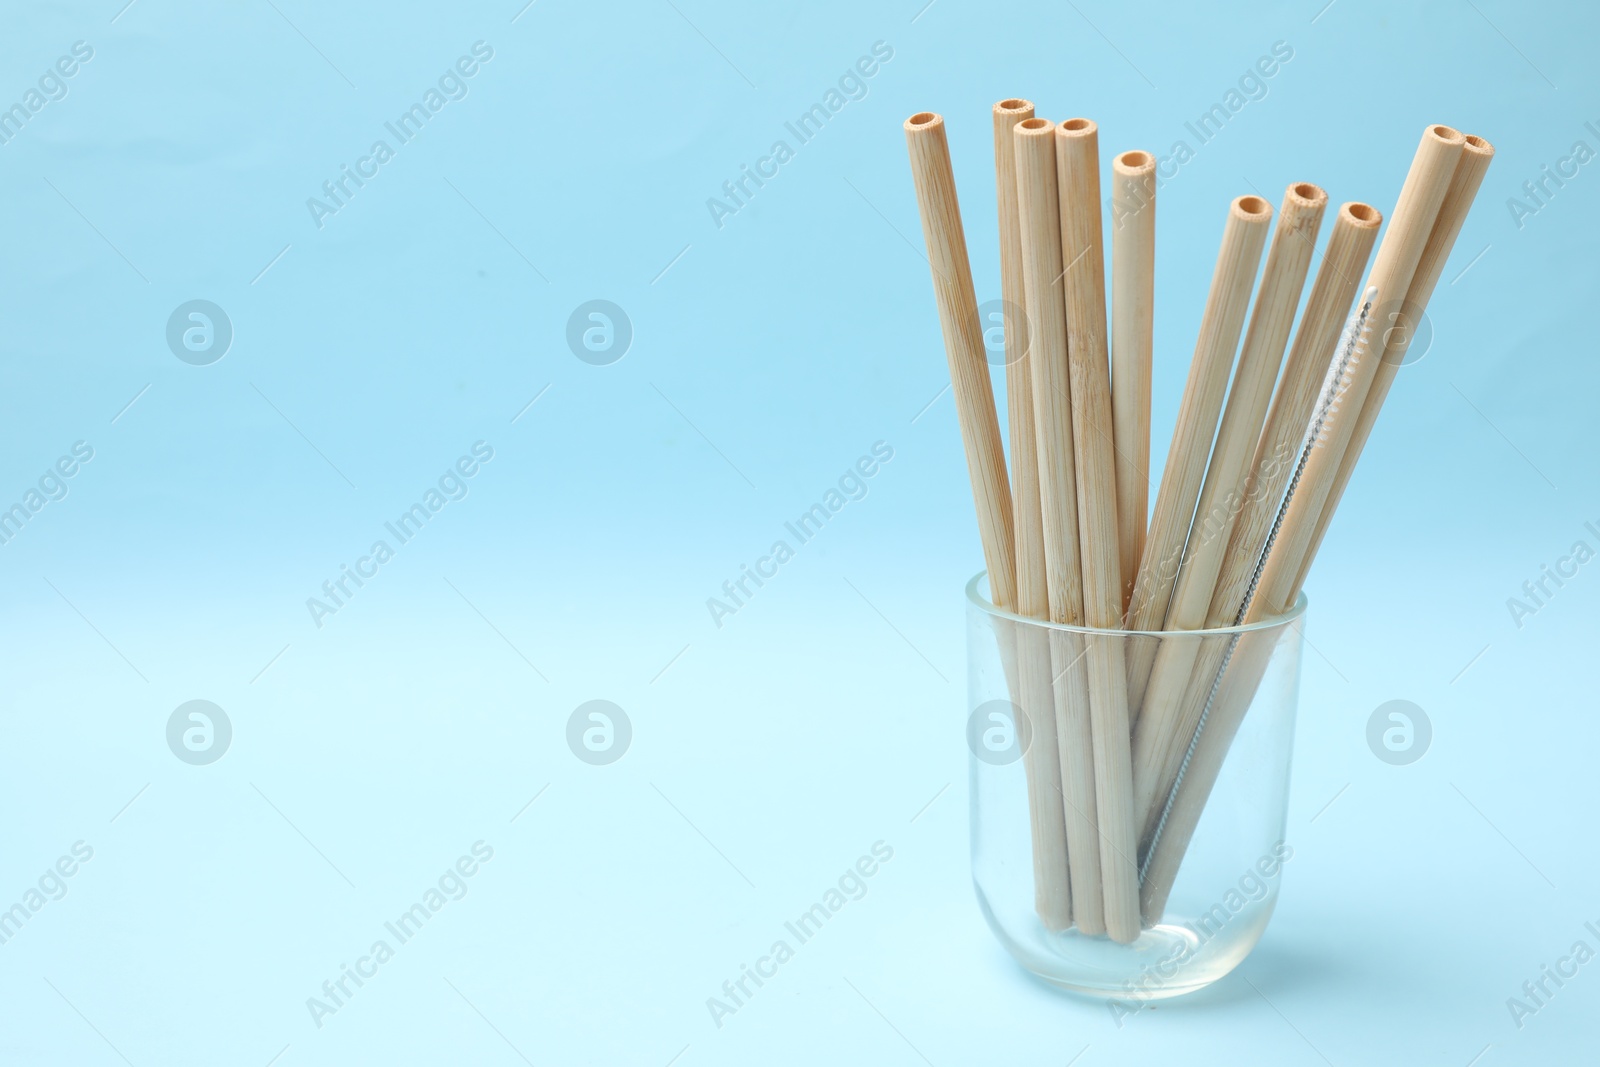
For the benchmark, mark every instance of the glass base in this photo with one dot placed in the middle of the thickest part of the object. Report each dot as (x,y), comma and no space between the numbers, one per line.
(1167,960)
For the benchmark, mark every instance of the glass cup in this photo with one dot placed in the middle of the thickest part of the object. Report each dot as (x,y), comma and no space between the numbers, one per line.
(1141,872)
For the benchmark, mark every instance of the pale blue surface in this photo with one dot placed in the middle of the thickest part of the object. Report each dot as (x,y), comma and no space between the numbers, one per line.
(432,307)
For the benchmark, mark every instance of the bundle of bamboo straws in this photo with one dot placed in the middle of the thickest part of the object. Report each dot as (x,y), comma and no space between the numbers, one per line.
(1125,750)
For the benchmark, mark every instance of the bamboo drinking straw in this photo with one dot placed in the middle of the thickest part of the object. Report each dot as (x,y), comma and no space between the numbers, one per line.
(1355,229)
(1133,277)
(1231,282)
(1043,760)
(1398,255)
(1288,260)
(1163,735)
(1031,600)
(1076,749)
(1474,164)
(963,344)
(1046,309)
(1046,305)
(1083,278)
(1052,884)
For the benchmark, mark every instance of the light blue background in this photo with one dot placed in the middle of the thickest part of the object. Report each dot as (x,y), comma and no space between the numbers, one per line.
(768,355)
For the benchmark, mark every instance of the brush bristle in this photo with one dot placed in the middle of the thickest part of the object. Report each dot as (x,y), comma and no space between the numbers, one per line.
(1352,344)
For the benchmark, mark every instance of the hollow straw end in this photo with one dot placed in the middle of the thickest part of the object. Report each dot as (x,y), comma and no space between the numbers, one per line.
(1134,164)
(1360,215)
(1306,195)
(1076,128)
(1250,209)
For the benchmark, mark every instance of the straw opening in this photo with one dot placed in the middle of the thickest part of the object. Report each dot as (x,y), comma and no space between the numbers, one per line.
(1362,212)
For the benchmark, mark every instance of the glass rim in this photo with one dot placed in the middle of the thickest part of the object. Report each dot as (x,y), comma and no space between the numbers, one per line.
(977,599)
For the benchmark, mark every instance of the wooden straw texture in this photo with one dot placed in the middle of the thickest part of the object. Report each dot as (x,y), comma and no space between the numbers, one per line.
(1028,521)
(1047,329)
(1288,260)
(1052,883)
(963,342)
(1036,697)
(1046,310)
(1396,262)
(1355,228)
(1163,731)
(1076,740)
(1133,277)
(1476,155)
(1242,239)
(1083,259)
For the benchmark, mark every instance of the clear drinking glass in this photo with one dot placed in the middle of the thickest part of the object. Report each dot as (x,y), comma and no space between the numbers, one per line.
(1205,797)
